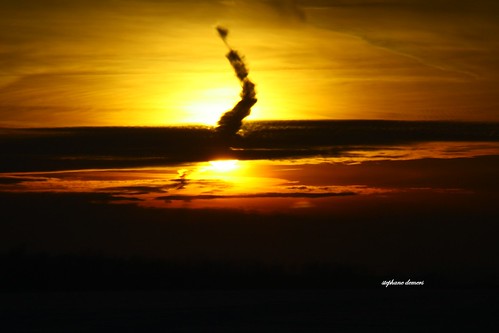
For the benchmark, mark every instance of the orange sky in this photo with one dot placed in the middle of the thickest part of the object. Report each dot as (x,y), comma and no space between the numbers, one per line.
(130,62)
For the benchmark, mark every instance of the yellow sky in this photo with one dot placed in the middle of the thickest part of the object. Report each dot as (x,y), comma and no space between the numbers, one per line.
(130,62)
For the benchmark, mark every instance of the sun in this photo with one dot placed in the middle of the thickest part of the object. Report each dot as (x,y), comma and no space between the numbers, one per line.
(224,165)
(207,106)
(204,113)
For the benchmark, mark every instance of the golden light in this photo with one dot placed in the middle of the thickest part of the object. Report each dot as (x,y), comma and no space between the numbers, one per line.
(206,106)
(224,165)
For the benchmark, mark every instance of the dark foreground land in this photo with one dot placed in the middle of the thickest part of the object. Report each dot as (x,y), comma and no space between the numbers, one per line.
(251,311)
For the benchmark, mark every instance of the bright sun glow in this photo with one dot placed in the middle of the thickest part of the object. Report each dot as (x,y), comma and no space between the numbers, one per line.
(224,165)
(206,106)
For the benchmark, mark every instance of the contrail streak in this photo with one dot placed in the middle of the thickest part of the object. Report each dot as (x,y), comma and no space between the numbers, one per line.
(231,121)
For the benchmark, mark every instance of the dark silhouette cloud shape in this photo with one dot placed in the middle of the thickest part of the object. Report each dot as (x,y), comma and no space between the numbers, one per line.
(231,121)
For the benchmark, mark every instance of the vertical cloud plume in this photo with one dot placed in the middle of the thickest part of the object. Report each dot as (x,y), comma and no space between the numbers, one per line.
(231,121)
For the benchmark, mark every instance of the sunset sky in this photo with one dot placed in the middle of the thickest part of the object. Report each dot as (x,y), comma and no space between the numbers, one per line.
(152,62)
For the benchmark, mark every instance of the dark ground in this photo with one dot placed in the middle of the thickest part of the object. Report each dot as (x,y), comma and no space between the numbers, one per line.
(251,311)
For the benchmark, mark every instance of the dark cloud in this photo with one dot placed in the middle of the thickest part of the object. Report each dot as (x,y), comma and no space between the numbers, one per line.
(256,195)
(93,147)
(133,189)
(18,180)
(230,122)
